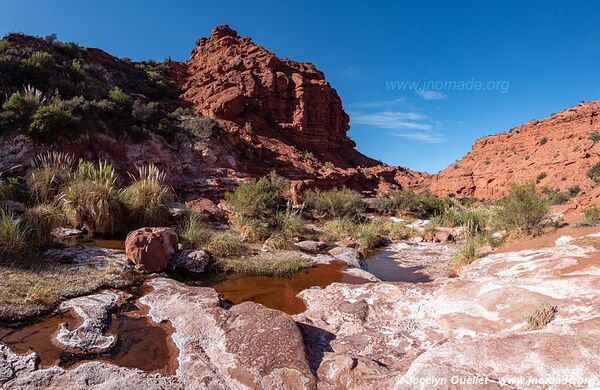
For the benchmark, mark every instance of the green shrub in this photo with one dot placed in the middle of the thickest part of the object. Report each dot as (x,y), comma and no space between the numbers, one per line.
(418,205)
(49,119)
(200,126)
(13,235)
(339,228)
(543,141)
(591,217)
(397,231)
(25,103)
(555,196)
(595,137)
(92,198)
(251,229)
(329,165)
(289,223)
(119,97)
(594,172)
(194,233)
(145,112)
(522,210)
(50,173)
(38,61)
(468,252)
(474,220)
(148,200)
(541,177)
(368,236)
(226,244)
(574,190)
(259,198)
(334,203)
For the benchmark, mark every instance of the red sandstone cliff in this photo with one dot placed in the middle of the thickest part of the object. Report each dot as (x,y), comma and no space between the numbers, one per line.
(556,151)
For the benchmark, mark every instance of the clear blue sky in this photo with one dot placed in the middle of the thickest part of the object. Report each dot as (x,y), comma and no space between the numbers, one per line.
(544,54)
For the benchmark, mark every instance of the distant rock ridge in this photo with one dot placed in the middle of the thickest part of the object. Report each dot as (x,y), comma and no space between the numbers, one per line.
(556,151)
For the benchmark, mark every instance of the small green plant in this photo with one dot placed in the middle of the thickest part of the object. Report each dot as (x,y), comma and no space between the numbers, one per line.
(594,137)
(543,141)
(468,252)
(275,263)
(541,177)
(119,97)
(201,126)
(541,317)
(574,190)
(38,61)
(339,227)
(594,172)
(333,203)
(329,165)
(26,102)
(526,157)
(368,236)
(251,229)
(39,221)
(289,223)
(49,119)
(194,233)
(591,217)
(522,210)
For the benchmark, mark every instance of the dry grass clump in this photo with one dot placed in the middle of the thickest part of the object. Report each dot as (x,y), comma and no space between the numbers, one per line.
(275,263)
(226,244)
(147,198)
(39,221)
(541,317)
(92,198)
(13,234)
(50,173)
(194,233)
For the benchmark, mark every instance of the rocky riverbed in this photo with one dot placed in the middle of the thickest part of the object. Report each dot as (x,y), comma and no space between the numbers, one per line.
(471,329)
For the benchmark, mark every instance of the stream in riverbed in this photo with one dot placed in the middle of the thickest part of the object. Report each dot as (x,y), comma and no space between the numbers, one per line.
(148,346)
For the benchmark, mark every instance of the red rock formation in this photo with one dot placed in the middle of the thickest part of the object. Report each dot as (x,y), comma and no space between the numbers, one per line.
(556,150)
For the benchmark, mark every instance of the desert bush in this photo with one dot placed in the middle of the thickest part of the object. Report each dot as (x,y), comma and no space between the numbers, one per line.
(147,199)
(92,198)
(339,227)
(26,102)
(145,112)
(595,137)
(409,202)
(226,244)
(200,126)
(368,235)
(13,235)
(385,205)
(468,251)
(38,61)
(543,141)
(541,177)
(251,229)
(50,173)
(397,231)
(541,317)
(289,223)
(591,217)
(594,172)
(574,190)
(259,198)
(336,203)
(39,221)
(329,165)
(119,97)
(522,210)
(49,118)
(555,196)
(475,220)
(194,233)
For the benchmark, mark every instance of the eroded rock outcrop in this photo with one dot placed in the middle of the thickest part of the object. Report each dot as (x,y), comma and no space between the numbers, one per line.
(394,335)
(557,150)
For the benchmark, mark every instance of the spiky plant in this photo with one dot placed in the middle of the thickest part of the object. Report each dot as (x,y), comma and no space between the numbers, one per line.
(541,317)
(92,198)
(39,221)
(50,173)
(147,198)
(13,234)
(194,233)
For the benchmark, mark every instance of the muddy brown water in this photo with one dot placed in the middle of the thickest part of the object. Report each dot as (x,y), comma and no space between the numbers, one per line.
(148,346)
(141,343)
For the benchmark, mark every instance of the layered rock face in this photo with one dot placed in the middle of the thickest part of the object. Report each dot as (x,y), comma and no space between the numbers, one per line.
(231,78)
(557,151)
